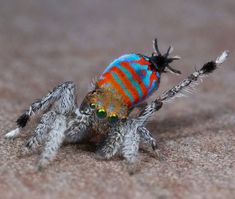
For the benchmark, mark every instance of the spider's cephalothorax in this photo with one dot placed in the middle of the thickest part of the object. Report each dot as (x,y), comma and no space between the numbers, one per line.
(124,84)
(127,82)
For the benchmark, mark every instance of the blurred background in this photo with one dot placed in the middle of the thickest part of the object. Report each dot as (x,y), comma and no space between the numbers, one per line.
(46,42)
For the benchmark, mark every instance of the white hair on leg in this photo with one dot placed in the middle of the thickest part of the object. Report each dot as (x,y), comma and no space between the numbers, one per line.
(130,145)
(55,139)
(13,134)
(41,131)
(221,59)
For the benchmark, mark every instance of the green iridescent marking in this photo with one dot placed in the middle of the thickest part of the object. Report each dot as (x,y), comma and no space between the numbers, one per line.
(113,119)
(101,113)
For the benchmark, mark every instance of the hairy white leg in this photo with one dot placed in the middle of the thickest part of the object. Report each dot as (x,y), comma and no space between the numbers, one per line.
(114,140)
(62,98)
(78,127)
(62,93)
(130,146)
(116,135)
(183,88)
(40,133)
(147,137)
(136,132)
(55,139)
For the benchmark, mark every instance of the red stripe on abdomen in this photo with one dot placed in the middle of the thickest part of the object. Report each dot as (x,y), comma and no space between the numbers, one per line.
(128,84)
(142,61)
(153,77)
(136,77)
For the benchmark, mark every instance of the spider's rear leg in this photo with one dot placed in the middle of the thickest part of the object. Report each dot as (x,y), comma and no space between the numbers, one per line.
(54,141)
(62,98)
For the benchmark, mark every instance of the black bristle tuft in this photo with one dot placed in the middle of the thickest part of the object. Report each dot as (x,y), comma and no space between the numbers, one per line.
(209,67)
(22,120)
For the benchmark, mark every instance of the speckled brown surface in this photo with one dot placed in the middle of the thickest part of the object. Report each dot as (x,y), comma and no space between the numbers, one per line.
(43,43)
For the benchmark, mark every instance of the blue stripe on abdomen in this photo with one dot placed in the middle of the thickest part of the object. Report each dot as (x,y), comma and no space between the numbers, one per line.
(126,58)
(117,79)
(132,80)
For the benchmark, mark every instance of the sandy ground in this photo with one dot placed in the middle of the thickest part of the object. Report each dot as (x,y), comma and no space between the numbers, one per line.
(43,43)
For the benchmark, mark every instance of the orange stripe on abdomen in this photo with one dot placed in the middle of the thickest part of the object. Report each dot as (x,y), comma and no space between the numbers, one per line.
(128,84)
(108,78)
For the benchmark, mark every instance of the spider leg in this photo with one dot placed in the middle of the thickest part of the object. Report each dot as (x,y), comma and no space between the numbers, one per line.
(147,112)
(124,133)
(55,139)
(130,145)
(78,128)
(40,133)
(147,137)
(133,132)
(62,97)
(113,141)
(184,87)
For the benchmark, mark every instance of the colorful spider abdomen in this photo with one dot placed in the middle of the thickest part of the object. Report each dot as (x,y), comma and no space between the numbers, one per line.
(131,77)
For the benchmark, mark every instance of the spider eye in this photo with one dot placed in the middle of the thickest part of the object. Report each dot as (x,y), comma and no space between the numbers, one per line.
(113,118)
(92,106)
(101,113)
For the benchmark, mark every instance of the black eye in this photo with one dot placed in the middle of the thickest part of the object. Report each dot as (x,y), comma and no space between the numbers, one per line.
(93,106)
(101,113)
(113,119)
